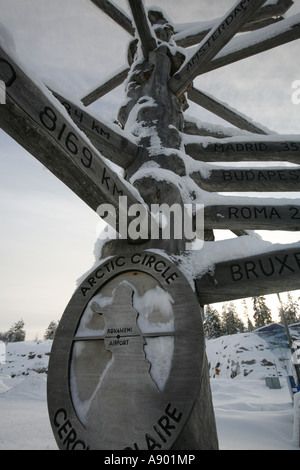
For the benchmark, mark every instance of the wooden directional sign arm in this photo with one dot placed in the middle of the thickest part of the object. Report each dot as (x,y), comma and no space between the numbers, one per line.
(16,123)
(235,150)
(192,37)
(273,36)
(41,125)
(253,217)
(268,273)
(112,143)
(106,87)
(115,14)
(249,179)
(213,43)
(266,15)
(223,111)
(148,42)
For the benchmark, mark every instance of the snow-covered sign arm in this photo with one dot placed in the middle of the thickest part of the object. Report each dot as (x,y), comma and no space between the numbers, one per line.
(148,41)
(212,44)
(283,148)
(109,85)
(253,214)
(223,111)
(116,14)
(113,143)
(241,179)
(262,274)
(268,14)
(254,43)
(40,124)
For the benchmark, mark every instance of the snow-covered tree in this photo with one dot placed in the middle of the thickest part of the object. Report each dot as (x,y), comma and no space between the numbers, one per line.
(51,330)
(16,333)
(250,326)
(212,323)
(249,323)
(291,310)
(3,336)
(262,314)
(231,323)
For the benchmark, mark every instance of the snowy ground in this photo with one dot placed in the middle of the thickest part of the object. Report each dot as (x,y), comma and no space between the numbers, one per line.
(249,415)
(252,417)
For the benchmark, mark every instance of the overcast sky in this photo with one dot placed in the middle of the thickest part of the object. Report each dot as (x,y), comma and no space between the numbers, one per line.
(47,234)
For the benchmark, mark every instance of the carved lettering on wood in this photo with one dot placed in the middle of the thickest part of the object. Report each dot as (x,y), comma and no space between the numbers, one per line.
(29,110)
(268,273)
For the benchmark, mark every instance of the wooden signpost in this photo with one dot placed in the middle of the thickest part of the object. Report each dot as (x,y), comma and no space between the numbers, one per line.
(252,217)
(128,369)
(235,150)
(134,378)
(277,179)
(250,276)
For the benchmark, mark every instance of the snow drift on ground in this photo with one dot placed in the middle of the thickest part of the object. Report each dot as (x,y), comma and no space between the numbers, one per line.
(249,415)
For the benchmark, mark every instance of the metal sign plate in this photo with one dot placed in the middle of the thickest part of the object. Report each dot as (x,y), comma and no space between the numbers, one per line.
(126,363)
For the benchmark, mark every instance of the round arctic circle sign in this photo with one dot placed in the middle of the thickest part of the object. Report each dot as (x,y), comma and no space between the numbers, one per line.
(126,362)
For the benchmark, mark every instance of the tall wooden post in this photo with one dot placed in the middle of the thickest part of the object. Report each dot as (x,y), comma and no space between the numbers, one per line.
(158,120)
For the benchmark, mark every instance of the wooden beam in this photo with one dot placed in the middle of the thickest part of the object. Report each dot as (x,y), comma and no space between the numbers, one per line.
(110,140)
(253,216)
(255,25)
(254,43)
(35,119)
(195,35)
(266,15)
(115,14)
(20,127)
(203,129)
(148,42)
(106,87)
(223,111)
(268,273)
(249,179)
(273,9)
(213,43)
(238,149)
